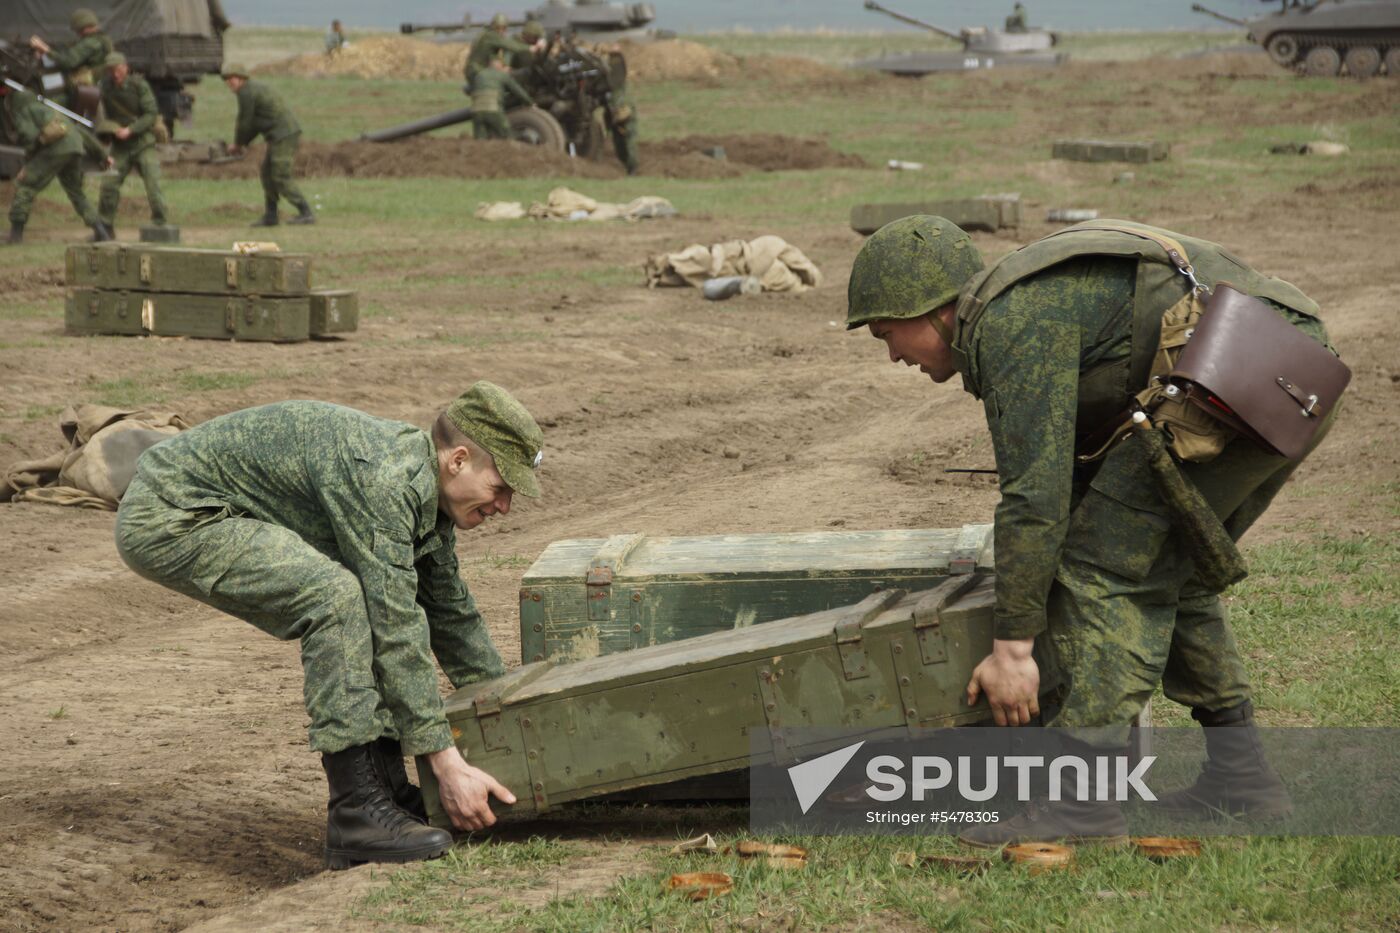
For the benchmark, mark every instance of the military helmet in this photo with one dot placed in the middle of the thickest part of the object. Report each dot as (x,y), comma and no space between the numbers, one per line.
(908,268)
(232,70)
(113,60)
(499,21)
(82,18)
(533,30)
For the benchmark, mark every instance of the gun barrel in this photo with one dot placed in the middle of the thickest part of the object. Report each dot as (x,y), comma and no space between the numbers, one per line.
(872,5)
(1197,8)
(52,105)
(413,128)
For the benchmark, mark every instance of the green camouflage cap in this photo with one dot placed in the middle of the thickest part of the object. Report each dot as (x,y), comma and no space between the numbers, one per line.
(113,60)
(82,19)
(908,268)
(499,21)
(492,417)
(233,70)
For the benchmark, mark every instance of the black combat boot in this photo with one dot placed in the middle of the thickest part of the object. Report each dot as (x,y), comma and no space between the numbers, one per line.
(1236,778)
(16,234)
(1075,818)
(304,215)
(388,762)
(363,824)
(268,219)
(101,233)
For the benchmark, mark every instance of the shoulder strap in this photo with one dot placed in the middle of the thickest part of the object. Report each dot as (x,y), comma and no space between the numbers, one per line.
(1176,253)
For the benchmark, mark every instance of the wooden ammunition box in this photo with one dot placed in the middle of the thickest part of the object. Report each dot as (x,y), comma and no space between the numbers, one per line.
(235,317)
(588,597)
(153,268)
(989,212)
(1098,150)
(334,311)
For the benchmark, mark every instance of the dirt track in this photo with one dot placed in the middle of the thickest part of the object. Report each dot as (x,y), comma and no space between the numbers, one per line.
(156,772)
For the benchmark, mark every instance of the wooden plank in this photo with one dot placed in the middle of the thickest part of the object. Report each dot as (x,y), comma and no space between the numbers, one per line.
(987,212)
(1099,150)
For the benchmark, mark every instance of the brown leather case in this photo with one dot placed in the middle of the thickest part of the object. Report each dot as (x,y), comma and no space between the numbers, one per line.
(1247,365)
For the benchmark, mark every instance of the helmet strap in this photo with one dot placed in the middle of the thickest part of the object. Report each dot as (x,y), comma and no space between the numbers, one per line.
(939,326)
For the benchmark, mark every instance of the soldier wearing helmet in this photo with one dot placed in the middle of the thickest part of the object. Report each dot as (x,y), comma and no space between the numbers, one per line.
(129,102)
(81,62)
(1093,577)
(492,43)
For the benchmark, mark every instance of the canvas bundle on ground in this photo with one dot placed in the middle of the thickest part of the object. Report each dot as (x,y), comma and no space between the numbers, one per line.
(559,732)
(153,268)
(233,317)
(594,596)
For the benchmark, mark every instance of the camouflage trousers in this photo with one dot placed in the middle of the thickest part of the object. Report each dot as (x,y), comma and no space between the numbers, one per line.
(624,137)
(1127,610)
(39,171)
(146,163)
(272,578)
(276,174)
(490,124)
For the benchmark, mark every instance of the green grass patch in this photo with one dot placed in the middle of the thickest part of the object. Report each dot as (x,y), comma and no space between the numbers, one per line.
(156,386)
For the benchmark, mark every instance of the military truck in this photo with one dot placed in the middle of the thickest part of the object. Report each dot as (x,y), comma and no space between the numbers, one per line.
(1322,37)
(172,42)
(982,48)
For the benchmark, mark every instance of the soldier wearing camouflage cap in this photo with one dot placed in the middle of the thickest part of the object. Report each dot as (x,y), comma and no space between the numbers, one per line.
(81,62)
(262,112)
(1056,339)
(492,43)
(129,102)
(322,523)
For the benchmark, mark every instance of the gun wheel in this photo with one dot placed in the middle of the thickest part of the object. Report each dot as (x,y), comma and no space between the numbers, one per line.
(536,127)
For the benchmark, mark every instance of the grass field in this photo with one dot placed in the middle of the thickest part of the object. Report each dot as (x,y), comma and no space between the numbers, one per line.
(1320,614)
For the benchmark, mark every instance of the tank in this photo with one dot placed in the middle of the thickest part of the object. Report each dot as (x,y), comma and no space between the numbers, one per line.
(172,42)
(982,48)
(585,19)
(1328,37)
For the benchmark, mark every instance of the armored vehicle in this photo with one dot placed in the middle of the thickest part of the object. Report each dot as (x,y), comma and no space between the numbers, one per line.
(1322,37)
(586,19)
(172,42)
(982,47)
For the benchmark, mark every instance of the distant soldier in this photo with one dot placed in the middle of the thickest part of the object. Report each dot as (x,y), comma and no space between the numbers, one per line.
(261,112)
(82,61)
(620,114)
(531,35)
(491,44)
(488,88)
(53,148)
(1016,22)
(335,39)
(129,102)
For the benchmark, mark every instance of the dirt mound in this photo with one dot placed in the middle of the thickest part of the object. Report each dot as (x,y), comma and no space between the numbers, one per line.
(464,157)
(675,60)
(379,57)
(768,152)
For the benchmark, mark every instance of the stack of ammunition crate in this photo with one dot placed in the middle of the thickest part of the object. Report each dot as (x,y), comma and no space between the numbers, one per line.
(239,294)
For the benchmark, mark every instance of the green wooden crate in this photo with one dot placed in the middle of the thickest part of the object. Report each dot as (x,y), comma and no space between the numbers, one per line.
(334,311)
(149,267)
(595,596)
(98,311)
(558,732)
(1099,150)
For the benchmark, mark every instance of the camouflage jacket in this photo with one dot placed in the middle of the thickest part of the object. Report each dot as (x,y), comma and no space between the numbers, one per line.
(261,112)
(89,53)
(133,105)
(363,491)
(27,116)
(487,88)
(487,46)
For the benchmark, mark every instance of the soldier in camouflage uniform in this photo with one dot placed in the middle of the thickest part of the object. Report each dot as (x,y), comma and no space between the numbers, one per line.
(490,45)
(620,115)
(128,100)
(261,112)
(324,524)
(489,86)
(1056,339)
(53,148)
(81,62)
(1016,22)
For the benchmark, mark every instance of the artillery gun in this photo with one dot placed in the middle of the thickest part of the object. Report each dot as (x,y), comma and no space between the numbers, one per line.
(172,42)
(570,85)
(982,47)
(1319,38)
(590,19)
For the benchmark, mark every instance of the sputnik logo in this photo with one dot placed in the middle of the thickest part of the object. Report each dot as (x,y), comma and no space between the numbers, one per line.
(811,778)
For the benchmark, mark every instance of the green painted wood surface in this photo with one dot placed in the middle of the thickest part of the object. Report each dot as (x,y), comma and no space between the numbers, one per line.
(668,588)
(157,268)
(559,732)
(234,317)
(334,311)
(1098,150)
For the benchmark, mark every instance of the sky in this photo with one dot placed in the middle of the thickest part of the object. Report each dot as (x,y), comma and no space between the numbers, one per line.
(690,16)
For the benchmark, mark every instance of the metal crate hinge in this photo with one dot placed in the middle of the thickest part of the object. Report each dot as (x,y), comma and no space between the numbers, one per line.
(145,269)
(848,631)
(601,570)
(772,714)
(904,676)
(928,616)
(534,760)
(231,273)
